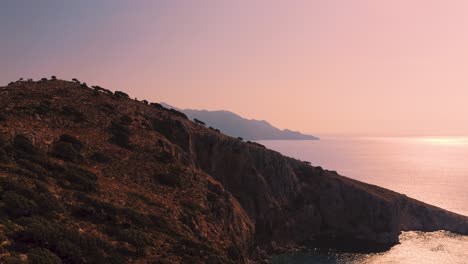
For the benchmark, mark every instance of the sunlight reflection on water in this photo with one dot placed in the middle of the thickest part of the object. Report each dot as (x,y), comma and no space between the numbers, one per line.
(415,247)
(431,169)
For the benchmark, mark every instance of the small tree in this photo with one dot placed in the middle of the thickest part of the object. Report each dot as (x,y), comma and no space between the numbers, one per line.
(199,122)
(53,77)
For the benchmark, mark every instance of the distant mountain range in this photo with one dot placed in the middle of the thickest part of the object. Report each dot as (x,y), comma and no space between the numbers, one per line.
(236,126)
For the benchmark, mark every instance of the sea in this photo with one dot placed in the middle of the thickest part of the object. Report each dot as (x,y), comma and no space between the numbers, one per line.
(430,169)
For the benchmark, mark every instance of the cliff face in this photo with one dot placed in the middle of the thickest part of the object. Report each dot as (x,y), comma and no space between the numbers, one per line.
(291,202)
(142,183)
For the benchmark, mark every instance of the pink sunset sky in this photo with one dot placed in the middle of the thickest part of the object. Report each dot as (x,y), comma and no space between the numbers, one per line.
(361,67)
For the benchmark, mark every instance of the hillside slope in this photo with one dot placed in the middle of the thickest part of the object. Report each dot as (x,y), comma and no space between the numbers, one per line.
(236,126)
(90,176)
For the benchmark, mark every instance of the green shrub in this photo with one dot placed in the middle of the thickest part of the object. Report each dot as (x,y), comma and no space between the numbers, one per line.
(67,148)
(126,120)
(65,151)
(75,80)
(178,113)
(22,200)
(192,206)
(72,140)
(75,178)
(233,253)
(107,108)
(42,256)
(3,155)
(42,108)
(22,143)
(53,77)
(65,242)
(37,171)
(199,122)
(120,94)
(174,130)
(156,105)
(169,179)
(17,205)
(75,115)
(120,132)
(107,213)
(100,89)
(133,236)
(100,157)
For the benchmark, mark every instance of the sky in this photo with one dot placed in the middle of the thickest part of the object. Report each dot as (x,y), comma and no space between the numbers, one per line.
(352,67)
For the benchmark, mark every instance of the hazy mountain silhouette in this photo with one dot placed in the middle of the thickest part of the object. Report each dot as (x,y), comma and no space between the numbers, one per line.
(237,126)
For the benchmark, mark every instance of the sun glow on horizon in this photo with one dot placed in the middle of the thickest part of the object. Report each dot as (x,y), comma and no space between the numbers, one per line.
(450,141)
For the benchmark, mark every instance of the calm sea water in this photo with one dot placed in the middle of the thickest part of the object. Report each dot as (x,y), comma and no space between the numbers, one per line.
(433,170)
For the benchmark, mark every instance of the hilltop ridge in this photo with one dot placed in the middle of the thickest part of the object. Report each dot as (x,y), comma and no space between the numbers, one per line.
(91,176)
(235,125)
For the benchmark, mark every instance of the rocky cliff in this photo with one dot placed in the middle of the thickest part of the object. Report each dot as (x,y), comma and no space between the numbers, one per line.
(89,175)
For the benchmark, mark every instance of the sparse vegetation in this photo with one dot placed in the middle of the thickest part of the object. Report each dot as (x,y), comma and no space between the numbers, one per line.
(173,177)
(53,78)
(77,145)
(66,151)
(75,115)
(100,89)
(23,144)
(121,132)
(100,157)
(178,113)
(156,105)
(42,256)
(215,129)
(67,243)
(16,205)
(58,205)
(172,180)
(120,94)
(75,80)
(199,122)
(256,144)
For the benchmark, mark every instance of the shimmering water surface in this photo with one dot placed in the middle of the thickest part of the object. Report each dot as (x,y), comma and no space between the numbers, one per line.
(433,170)
(415,248)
